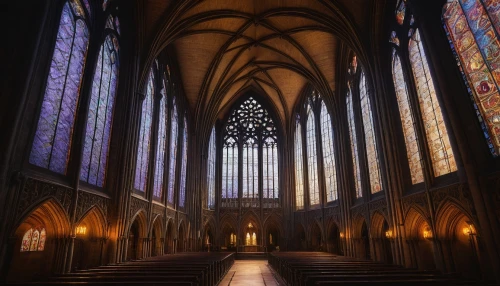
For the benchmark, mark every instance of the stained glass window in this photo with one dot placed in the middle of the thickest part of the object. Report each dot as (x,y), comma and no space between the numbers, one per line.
(52,141)
(211,170)
(371,144)
(141,168)
(250,130)
(328,154)
(100,115)
(34,240)
(354,145)
(182,184)
(174,133)
(470,26)
(161,144)
(299,169)
(443,160)
(407,121)
(312,158)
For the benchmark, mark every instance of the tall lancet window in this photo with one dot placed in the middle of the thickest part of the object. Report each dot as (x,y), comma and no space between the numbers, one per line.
(182,184)
(211,170)
(370,141)
(143,149)
(473,28)
(52,141)
(354,145)
(100,114)
(250,131)
(174,133)
(328,154)
(299,169)
(161,143)
(312,157)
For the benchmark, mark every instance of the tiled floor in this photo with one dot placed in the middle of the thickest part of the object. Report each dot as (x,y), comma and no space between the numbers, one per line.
(249,273)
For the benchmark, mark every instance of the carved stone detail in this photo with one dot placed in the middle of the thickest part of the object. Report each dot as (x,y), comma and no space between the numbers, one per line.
(136,205)
(86,201)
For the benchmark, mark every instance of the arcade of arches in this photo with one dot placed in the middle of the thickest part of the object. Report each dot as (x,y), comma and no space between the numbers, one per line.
(366,128)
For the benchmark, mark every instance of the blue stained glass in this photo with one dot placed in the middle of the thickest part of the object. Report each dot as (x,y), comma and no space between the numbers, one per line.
(230,170)
(141,169)
(211,171)
(182,187)
(100,116)
(52,141)
(174,133)
(270,169)
(161,145)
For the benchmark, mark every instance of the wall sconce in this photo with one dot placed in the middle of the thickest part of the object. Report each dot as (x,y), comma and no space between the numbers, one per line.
(81,230)
(388,234)
(469,230)
(427,233)
(341,235)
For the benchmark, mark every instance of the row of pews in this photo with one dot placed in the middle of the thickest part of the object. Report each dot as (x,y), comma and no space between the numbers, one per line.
(319,268)
(203,269)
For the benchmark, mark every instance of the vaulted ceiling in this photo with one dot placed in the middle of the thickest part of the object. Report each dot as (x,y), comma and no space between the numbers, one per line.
(274,47)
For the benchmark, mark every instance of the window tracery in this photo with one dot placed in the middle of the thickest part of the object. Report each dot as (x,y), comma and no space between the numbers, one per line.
(174,133)
(161,143)
(299,168)
(328,154)
(211,170)
(34,240)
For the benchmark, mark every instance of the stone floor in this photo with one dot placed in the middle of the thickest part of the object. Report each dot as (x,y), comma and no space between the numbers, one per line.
(249,272)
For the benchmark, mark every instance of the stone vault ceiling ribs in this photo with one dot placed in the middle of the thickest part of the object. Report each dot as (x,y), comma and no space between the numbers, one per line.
(273,46)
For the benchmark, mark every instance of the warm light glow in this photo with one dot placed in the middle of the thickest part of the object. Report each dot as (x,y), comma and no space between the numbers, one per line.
(469,230)
(82,230)
(341,235)
(250,225)
(388,234)
(427,233)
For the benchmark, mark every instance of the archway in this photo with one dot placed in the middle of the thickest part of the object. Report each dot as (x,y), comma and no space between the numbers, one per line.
(208,238)
(136,234)
(365,242)
(228,239)
(333,239)
(35,250)
(89,241)
(157,237)
(316,239)
(419,240)
(300,237)
(382,236)
(169,238)
(181,238)
(272,237)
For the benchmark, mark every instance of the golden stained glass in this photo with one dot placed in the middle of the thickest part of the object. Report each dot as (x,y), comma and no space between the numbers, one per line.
(299,174)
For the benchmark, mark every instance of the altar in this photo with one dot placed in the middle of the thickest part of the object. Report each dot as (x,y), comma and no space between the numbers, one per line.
(250,248)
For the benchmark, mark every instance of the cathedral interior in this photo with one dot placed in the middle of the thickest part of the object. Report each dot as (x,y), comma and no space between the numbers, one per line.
(361,129)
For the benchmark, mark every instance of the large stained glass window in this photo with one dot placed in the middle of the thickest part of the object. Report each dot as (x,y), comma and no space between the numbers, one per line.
(34,240)
(299,169)
(182,184)
(100,115)
(473,27)
(312,158)
(141,168)
(443,160)
(161,144)
(249,131)
(52,141)
(354,145)
(407,121)
(328,154)
(371,144)
(174,133)
(211,170)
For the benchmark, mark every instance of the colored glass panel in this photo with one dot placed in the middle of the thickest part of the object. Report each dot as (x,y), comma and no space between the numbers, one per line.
(328,154)
(52,141)
(250,169)
(400,12)
(211,170)
(26,242)
(230,170)
(407,121)
(270,168)
(312,158)
(354,145)
(174,133)
(370,140)
(100,115)
(471,28)
(161,145)
(443,160)
(43,237)
(299,171)
(141,168)
(182,185)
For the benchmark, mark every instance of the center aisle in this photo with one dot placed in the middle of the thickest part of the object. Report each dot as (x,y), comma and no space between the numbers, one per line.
(249,272)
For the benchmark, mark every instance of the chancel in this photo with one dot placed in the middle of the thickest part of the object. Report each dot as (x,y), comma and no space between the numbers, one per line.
(251,142)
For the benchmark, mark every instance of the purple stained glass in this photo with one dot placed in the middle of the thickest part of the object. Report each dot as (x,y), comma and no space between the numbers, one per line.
(211,171)
(250,169)
(174,133)
(182,186)
(161,146)
(52,141)
(87,6)
(141,168)
(100,116)
(230,170)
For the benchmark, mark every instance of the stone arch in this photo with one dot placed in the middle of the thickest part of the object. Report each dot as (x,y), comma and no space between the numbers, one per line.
(228,227)
(182,236)
(169,236)
(333,237)
(250,223)
(157,235)
(137,232)
(361,238)
(51,216)
(316,241)
(273,233)
(89,243)
(381,235)
(418,233)
(209,233)
(300,239)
